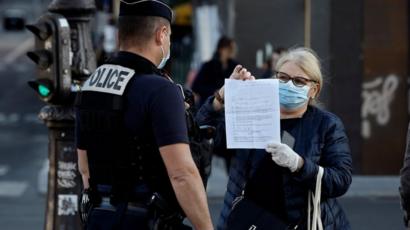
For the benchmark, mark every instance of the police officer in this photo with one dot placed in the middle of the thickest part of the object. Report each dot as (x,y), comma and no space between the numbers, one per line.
(131,134)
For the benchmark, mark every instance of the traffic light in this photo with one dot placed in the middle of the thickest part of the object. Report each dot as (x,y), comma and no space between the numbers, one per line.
(52,54)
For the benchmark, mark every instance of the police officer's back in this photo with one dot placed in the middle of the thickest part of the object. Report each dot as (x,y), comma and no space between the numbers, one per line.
(131,133)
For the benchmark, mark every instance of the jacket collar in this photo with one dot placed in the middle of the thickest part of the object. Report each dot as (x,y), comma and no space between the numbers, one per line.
(134,61)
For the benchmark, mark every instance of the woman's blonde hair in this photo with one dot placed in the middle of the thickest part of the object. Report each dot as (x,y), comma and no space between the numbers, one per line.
(307,60)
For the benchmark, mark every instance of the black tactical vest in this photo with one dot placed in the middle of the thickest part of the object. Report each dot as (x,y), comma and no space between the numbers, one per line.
(116,157)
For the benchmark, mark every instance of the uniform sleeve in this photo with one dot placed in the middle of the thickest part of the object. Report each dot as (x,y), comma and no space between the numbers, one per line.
(168,116)
(80,140)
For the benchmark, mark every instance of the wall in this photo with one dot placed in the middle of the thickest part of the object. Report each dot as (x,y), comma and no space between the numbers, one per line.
(384,91)
(279,22)
(346,70)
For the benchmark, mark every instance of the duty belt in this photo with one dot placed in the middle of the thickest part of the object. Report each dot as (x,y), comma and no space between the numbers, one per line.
(141,189)
(131,206)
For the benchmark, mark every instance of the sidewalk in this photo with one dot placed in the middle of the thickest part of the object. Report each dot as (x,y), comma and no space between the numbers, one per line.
(374,186)
(362,186)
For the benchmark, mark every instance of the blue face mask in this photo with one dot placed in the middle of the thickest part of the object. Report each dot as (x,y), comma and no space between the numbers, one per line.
(292,97)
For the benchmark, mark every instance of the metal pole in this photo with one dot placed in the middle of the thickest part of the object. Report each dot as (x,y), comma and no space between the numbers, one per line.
(64,182)
(116,9)
(227,17)
(231,18)
(308,22)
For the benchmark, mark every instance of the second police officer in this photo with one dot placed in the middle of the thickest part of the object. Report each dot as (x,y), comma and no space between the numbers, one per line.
(131,135)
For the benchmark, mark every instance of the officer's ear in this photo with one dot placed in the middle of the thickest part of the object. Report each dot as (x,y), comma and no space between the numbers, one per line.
(160,35)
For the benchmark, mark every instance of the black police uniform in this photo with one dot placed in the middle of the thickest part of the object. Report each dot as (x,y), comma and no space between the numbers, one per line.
(125,111)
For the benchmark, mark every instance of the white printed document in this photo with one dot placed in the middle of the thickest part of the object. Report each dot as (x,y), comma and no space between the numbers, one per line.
(252,113)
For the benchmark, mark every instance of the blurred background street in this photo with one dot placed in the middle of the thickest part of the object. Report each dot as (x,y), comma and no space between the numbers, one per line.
(378,142)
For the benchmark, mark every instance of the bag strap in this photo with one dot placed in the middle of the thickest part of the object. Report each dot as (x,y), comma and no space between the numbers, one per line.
(315,223)
(248,169)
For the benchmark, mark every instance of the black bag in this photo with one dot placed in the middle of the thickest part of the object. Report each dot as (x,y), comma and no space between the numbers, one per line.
(200,138)
(246,215)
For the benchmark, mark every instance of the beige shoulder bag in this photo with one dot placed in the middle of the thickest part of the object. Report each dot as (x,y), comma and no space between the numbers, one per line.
(315,221)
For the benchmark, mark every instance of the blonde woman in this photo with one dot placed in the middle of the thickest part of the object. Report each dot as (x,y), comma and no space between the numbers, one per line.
(278,179)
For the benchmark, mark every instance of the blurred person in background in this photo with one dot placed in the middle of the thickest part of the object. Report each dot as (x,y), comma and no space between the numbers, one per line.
(212,74)
(110,38)
(107,43)
(269,65)
(211,77)
(405,182)
(279,178)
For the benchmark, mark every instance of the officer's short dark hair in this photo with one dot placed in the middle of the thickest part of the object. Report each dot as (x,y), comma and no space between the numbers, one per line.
(137,30)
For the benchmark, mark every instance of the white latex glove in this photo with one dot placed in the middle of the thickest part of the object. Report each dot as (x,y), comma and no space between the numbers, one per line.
(284,156)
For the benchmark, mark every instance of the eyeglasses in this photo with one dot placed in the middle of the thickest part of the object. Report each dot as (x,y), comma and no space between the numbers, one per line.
(297,81)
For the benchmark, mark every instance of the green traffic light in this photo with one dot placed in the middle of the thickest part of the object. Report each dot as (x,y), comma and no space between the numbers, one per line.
(43,90)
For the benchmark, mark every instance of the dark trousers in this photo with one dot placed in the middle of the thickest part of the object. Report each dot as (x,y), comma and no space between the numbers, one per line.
(113,218)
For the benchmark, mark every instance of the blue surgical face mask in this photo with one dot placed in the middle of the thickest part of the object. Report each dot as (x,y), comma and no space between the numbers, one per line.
(164,58)
(292,97)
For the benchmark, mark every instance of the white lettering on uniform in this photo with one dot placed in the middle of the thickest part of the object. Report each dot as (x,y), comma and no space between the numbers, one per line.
(108,78)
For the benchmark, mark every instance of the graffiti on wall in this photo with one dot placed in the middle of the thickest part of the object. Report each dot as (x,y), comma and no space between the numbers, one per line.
(66,174)
(377,96)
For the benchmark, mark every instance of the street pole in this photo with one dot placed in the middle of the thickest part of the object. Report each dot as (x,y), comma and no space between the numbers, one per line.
(64,181)
(227,17)
(308,22)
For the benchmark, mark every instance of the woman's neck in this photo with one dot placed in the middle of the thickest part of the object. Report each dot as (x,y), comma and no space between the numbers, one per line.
(287,114)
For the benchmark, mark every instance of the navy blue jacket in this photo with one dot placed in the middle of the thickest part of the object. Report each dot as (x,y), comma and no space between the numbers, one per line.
(320,140)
